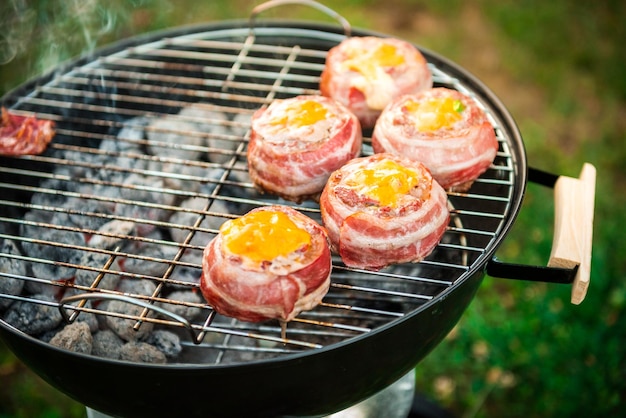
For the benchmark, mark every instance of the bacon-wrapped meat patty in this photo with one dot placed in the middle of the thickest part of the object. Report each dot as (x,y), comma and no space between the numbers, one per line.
(21,135)
(366,73)
(383,209)
(272,263)
(296,143)
(442,128)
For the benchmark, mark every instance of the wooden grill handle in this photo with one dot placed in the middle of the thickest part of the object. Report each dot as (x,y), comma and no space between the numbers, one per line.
(570,258)
(573,227)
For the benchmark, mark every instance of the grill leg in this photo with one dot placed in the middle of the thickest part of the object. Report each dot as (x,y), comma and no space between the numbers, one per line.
(92,413)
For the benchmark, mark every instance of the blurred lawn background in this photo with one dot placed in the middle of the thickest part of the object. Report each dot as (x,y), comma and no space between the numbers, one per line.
(521,349)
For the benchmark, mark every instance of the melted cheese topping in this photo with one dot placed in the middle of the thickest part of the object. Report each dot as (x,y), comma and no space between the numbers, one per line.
(377,85)
(301,113)
(264,235)
(386,182)
(366,61)
(435,113)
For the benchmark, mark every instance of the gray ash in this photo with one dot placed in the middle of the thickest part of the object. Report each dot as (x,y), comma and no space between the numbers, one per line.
(107,344)
(10,284)
(188,307)
(42,248)
(86,278)
(34,318)
(124,328)
(166,342)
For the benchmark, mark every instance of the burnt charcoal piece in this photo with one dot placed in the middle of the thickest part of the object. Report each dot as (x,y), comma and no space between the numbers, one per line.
(142,287)
(90,319)
(124,327)
(34,318)
(185,274)
(10,285)
(107,344)
(42,250)
(166,342)
(166,135)
(179,176)
(188,219)
(112,234)
(142,193)
(75,337)
(155,267)
(141,353)
(86,277)
(187,297)
(91,213)
(214,125)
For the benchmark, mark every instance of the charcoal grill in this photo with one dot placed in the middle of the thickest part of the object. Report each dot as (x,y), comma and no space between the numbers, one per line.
(371,328)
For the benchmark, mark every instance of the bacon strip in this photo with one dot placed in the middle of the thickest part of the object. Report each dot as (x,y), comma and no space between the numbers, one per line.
(234,288)
(21,135)
(366,86)
(455,155)
(295,162)
(367,235)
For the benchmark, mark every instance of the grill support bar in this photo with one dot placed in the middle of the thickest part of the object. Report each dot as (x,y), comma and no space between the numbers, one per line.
(503,270)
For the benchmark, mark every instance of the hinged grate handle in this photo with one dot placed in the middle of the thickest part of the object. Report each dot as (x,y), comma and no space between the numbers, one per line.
(63,305)
(347,29)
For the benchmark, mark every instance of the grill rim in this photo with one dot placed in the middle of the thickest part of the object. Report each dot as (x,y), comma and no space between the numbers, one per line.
(517,155)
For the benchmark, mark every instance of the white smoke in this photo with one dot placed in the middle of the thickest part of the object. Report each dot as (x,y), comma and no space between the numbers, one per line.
(75,27)
(17,21)
(37,35)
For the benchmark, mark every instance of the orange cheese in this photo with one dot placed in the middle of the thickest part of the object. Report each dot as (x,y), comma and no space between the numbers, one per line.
(263,235)
(376,84)
(302,113)
(366,61)
(435,113)
(386,182)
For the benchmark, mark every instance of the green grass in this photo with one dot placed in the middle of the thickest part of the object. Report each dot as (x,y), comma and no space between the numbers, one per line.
(521,349)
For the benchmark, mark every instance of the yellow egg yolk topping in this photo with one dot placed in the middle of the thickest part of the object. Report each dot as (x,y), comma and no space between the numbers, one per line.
(264,235)
(302,113)
(365,61)
(386,182)
(436,113)
(377,84)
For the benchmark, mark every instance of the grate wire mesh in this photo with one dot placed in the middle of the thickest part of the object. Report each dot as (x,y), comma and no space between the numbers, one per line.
(149,160)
